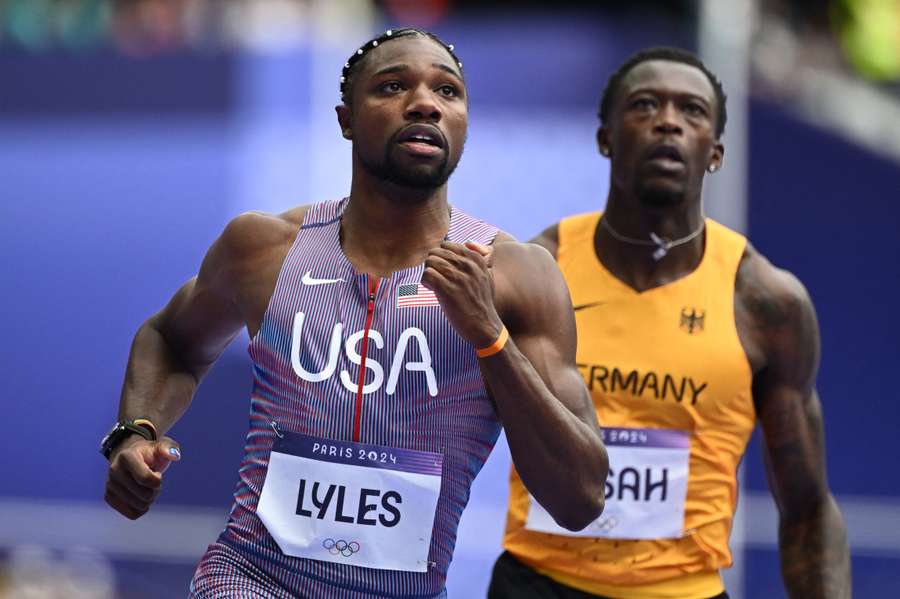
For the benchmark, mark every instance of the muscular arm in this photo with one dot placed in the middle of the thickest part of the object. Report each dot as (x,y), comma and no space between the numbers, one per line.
(550,422)
(174,349)
(815,559)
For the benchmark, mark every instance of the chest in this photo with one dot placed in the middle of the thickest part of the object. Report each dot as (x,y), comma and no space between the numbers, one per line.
(387,337)
(665,361)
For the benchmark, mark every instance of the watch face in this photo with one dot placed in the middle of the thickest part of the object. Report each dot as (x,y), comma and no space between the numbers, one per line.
(111,439)
(119,433)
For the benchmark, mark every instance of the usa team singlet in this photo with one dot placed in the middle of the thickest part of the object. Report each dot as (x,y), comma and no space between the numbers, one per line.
(369,420)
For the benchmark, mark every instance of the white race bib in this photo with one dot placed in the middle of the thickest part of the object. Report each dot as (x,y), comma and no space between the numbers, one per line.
(351,503)
(645,489)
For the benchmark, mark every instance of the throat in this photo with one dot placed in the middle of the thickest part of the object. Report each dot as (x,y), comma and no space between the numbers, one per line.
(385,258)
(647,267)
(383,241)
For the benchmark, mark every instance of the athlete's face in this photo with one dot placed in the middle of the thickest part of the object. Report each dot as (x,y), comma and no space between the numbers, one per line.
(408,113)
(661,132)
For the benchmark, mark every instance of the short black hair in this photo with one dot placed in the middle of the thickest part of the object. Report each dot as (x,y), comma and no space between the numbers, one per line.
(663,53)
(351,67)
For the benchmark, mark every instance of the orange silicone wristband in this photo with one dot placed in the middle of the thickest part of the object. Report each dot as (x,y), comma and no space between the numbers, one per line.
(494,347)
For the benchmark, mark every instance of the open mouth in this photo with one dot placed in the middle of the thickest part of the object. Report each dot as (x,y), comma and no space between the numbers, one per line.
(666,153)
(423,140)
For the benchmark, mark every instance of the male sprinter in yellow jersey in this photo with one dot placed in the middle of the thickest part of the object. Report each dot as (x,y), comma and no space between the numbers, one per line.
(686,336)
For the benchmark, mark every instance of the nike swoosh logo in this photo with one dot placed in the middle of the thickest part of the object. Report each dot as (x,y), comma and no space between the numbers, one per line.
(307,279)
(591,305)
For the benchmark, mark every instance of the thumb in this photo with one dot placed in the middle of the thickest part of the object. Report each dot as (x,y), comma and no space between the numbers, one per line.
(165,452)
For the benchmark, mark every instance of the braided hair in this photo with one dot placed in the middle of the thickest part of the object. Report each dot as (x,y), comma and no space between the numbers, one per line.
(351,67)
(672,55)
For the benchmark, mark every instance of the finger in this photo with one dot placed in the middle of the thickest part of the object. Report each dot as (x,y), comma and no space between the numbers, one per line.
(451,275)
(126,481)
(433,279)
(121,505)
(461,256)
(456,248)
(442,262)
(165,451)
(136,497)
(135,464)
(486,251)
(464,249)
(478,253)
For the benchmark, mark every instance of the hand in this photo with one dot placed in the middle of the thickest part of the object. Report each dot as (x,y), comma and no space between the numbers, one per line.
(135,474)
(460,276)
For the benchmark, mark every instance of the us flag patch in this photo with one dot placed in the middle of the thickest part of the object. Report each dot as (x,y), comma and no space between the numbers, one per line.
(415,295)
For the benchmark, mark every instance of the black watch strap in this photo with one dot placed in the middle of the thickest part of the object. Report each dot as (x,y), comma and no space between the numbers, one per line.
(121,431)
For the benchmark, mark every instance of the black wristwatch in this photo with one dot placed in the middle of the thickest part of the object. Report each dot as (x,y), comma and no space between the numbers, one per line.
(124,429)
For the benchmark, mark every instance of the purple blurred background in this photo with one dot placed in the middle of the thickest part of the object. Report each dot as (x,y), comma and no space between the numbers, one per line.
(131,132)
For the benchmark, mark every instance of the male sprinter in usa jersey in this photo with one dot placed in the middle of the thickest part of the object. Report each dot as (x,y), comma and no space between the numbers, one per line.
(686,336)
(392,335)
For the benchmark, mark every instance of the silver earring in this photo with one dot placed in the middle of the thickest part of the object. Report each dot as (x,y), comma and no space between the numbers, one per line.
(712,168)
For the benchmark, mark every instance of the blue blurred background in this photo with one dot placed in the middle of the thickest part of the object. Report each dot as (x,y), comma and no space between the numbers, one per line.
(132,131)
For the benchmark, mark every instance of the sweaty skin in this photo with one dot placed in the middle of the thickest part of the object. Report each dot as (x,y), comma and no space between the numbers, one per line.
(671,103)
(388,225)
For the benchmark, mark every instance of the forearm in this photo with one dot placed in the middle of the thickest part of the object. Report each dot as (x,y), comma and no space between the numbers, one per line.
(157,386)
(815,557)
(551,446)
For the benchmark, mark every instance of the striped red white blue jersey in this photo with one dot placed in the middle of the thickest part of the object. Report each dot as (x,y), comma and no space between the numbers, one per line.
(306,379)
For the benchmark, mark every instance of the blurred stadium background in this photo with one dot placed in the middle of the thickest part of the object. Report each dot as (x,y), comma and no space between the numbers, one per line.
(132,131)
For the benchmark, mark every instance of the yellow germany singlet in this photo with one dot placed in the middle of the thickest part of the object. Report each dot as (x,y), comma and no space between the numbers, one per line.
(672,388)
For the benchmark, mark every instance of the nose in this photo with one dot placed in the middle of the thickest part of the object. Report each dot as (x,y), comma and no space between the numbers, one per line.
(667,119)
(422,105)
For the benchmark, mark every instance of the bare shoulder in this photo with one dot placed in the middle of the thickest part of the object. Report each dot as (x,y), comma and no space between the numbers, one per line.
(254,236)
(520,259)
(549,239)
(774,310)
(772,295)
(252,232)
(527,280)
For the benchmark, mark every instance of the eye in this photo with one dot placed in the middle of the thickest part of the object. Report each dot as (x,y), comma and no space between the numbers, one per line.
(448,90)
(643,103)
(391,87)
(694,109)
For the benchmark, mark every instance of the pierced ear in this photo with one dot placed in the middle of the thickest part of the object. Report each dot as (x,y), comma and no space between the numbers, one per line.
(343,116)
(603,141)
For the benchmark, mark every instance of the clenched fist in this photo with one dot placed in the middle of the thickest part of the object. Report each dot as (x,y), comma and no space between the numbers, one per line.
(460,276)
(135,474)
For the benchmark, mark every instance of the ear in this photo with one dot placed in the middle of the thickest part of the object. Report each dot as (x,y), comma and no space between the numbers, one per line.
(344,120)
(603,142)
(716,158)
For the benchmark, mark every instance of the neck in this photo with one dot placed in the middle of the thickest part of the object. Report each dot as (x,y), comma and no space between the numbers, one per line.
(635,264)
(386,227)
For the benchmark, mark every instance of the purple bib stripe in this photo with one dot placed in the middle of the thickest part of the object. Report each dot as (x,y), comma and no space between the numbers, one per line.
(422,390)
(359,454)
(646,437)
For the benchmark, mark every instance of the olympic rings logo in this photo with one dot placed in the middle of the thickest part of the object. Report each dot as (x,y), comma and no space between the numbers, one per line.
(606,525)
(340,547)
